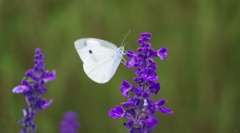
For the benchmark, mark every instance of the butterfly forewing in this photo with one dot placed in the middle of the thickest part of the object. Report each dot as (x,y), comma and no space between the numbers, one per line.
(100,58)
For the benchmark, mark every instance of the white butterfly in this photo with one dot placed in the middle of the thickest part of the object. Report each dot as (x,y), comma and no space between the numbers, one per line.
(100,58)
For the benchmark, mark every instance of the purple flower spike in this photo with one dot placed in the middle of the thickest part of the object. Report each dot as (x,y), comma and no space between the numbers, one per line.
(33,86)
(69,124)
(139,110)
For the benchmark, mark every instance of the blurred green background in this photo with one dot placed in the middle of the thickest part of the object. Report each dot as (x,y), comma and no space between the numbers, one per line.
(200,78)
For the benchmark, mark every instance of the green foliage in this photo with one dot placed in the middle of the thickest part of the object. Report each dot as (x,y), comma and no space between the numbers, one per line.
(200,78)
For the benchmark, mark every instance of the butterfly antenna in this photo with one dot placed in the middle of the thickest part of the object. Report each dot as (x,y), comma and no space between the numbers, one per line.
(125,37)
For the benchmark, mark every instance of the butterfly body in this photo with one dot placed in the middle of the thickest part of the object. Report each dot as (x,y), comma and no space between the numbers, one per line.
(100,58)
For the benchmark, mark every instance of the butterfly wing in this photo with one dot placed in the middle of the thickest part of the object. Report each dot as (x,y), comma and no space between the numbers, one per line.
(85,46)
(101,72)
(100,58)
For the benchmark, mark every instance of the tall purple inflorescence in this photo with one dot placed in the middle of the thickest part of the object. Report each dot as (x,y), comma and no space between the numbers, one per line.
(33,86)
(69,124)
(139,109)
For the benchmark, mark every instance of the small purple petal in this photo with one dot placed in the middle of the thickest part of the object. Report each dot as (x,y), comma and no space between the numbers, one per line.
(146,39)
(155,88)
(141,42)
(160,102)
(145,95)
(38,51)
(138,80)
(165,110)
(150,75)
(159,105)
(44,90)
(152,122)
(146,34)
(142,56)
(31,74)
(152,54)
(51,76)
(41,56)
(117,112)
(162,53)
(129,104)
(148,44)
(130,63)
(126,86)
(45,104)
(140,49)
(135,101)
(130,114)
(139,72)
(35,85)
(25,82)
(129,124)
(20,89)
(130,53)
(152,65)
(136,90)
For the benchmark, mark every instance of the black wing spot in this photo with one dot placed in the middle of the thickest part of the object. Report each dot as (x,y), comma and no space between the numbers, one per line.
(90,51)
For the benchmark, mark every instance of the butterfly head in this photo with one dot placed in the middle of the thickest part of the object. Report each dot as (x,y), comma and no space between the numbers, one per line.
(121,50)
